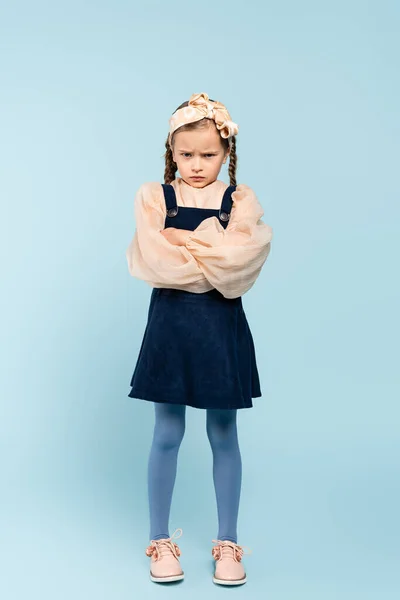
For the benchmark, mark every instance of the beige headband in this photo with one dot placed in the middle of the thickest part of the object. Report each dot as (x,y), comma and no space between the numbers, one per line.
(200,107)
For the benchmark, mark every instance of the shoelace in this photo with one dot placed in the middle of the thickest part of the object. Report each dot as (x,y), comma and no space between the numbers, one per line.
(228,549)
(164,546)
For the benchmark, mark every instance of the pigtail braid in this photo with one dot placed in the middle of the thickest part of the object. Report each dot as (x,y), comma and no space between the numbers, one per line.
(170,165)
(232,162)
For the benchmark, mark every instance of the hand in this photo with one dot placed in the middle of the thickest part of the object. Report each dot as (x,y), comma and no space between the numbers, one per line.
(176,236)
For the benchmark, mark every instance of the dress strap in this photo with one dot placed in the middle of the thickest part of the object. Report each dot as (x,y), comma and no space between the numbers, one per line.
(172,206)
(170,199)
(226,204)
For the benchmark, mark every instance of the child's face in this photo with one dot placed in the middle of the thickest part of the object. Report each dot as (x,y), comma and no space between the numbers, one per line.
(199,153)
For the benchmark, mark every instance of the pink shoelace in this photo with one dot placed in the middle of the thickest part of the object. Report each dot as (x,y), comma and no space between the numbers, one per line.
(164,546)
(228,549)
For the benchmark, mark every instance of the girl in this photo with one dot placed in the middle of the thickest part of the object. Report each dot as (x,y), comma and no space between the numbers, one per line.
(200,244)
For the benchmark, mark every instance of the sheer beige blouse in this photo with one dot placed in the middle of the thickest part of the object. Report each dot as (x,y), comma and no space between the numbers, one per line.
(229,260)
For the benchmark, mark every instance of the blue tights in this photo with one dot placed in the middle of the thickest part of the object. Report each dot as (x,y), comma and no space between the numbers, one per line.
(169,430)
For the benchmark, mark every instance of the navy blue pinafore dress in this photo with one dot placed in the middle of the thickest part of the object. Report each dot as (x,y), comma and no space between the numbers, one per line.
(197,349)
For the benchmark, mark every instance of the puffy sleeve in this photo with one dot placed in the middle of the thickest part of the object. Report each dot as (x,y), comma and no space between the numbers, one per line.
(150,256)
(232,258)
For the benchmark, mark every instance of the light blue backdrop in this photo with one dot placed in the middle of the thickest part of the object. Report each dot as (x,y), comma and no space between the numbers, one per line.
(86,93)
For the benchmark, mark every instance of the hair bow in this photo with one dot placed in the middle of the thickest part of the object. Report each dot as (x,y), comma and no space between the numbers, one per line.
(200,107)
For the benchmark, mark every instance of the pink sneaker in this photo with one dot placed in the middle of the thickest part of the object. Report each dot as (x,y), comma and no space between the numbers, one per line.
(229,569)
(165,565)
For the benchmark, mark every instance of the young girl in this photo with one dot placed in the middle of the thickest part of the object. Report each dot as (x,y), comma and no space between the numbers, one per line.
(200,244)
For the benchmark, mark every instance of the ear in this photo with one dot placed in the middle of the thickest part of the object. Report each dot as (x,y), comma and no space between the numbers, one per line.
(173,153)
(226,157)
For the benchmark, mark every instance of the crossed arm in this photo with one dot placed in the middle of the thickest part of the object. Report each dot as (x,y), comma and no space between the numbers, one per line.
(175,236)
(227,259)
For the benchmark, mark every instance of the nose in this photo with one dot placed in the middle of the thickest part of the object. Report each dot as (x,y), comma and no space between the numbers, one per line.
(196,166)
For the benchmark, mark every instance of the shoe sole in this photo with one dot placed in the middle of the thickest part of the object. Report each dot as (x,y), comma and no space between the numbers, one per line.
(167,579)
(230,582)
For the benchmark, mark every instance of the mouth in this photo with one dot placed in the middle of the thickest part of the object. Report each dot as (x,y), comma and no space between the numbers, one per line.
(197,178)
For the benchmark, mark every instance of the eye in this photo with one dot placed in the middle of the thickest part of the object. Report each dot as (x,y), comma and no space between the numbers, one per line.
(186,154)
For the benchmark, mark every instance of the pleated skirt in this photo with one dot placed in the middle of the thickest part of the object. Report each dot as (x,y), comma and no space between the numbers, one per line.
(197,350)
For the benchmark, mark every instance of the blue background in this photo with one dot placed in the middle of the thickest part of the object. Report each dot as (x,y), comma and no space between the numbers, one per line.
(86,93)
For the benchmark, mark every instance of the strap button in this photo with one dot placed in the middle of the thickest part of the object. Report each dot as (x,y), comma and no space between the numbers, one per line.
(172,212)
(224,216)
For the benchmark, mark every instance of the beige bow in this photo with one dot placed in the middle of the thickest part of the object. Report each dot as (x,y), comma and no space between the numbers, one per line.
(200,107)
